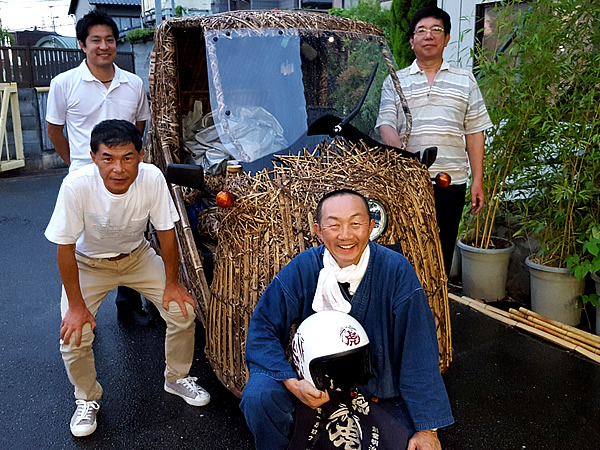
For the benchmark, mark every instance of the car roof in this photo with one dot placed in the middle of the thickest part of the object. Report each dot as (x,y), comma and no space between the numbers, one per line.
(269,19)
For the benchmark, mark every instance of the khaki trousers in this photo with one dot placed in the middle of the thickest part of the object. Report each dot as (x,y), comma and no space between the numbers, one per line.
(143,270)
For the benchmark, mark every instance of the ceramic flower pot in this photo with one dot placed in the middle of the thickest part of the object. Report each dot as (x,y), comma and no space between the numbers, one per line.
(455,268)
(484,270)
(596,278)
(555,292)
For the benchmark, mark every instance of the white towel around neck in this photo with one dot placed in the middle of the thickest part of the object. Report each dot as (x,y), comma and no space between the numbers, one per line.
(328,294)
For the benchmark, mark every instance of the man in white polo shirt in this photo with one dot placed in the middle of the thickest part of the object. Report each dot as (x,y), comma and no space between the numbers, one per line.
(448,112)
(98,224)
(84,96)
(96,90)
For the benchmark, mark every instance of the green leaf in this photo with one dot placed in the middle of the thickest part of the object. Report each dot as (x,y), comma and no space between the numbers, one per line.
(582,270)
(592,246)
(572,260)
(593,299)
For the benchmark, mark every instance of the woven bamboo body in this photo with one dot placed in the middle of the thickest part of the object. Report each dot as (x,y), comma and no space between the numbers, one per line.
(271,221)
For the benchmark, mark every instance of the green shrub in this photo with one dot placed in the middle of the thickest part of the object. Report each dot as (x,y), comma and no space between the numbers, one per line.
(368,11)
(402,13)
(6,38)
(140,35)
(543,92)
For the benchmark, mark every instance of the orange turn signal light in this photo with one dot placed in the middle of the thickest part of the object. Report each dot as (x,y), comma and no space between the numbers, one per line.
(442,179)
(225,199)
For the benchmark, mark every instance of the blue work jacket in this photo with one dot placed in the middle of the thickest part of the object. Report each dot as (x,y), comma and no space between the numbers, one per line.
(394,311)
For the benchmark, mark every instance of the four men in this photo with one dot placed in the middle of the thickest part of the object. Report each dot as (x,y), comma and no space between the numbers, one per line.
(101,215)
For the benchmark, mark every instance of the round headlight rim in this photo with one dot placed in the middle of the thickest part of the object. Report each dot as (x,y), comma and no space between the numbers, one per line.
(381,224)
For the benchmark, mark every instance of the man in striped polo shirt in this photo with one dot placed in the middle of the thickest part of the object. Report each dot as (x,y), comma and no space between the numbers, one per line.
(448,112)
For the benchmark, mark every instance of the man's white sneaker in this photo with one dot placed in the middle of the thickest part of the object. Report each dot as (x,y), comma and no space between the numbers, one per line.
(188,390)
(83,422)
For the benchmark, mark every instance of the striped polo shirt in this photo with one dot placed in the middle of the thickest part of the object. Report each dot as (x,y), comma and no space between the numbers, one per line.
(442,114)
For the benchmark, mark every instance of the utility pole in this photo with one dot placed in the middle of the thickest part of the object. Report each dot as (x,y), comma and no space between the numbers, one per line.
(158,12)
(52,19)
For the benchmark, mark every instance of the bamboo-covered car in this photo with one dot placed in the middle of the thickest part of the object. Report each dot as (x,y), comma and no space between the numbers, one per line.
(254,84)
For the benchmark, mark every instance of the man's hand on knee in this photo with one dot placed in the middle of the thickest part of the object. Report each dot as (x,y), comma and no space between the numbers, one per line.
(306,392)
(176,292)
(73,322)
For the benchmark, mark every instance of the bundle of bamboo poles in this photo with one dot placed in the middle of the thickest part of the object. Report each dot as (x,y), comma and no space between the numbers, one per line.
(566,336)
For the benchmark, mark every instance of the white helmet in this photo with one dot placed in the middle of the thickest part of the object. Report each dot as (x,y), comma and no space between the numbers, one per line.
(331,349)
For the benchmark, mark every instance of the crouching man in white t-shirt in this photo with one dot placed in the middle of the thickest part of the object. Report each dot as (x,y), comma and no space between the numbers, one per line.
(98,223)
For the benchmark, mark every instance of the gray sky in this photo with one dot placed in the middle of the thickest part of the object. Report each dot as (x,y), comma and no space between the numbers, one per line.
(48,15)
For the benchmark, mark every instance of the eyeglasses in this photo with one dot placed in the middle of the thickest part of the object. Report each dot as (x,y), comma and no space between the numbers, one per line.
(435,31)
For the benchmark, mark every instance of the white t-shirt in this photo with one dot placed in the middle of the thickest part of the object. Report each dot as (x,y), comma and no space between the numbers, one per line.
(102,224)
(79,100)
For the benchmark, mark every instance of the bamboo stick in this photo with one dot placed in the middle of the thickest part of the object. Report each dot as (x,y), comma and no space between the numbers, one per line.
(495,315)
(488,310)
(587,336)
(557,333)
(553,330)
(593,346)
(546,336)
(559,341)
(480,303)
(463,300)
(587,354)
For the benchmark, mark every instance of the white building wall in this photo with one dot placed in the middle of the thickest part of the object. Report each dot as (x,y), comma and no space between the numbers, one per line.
(462,34)
(82,9)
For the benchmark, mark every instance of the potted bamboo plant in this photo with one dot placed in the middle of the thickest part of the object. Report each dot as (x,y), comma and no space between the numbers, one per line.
(484,256)
(542,156)
(557,78)
(588,263)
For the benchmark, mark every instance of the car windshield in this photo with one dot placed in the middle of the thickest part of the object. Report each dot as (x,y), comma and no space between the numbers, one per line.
(268,85)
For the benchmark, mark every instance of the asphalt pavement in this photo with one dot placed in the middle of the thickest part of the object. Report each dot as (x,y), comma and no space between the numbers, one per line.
(508,389)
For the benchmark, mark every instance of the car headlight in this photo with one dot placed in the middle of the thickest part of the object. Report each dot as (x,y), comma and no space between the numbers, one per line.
(379,214)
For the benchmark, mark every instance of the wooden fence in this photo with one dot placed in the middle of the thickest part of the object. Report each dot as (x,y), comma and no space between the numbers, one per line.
(11,153)
(36,66)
